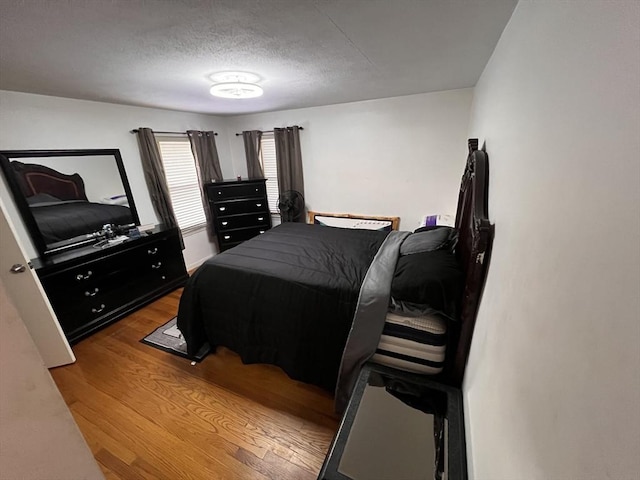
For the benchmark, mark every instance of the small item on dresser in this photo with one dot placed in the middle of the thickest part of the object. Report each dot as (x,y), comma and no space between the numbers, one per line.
(239,178)
(133,232)
(123,229)
(107,231)
(116,200)
(117,240)
(147,228)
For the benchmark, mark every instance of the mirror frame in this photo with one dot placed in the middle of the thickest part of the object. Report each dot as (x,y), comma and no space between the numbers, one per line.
(21,202)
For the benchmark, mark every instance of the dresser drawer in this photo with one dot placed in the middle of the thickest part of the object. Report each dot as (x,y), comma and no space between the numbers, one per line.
(240,235)
(237,207)
(150,277)
(85,281)
(83,296)
(221,192)
(159,271)
(242,221)
(162,250)
(89,294)
(105,274)
(80,315)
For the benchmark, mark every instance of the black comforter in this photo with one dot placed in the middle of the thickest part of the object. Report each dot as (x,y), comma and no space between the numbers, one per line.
(63,220)
(286,298)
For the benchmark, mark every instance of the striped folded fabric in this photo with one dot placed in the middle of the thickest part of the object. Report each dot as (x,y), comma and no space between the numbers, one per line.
(413,344)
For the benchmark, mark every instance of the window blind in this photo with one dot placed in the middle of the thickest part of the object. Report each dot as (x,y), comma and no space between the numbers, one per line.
(270,169)
(183,183)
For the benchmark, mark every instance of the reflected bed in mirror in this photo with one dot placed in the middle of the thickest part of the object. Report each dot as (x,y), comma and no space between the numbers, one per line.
(66,197)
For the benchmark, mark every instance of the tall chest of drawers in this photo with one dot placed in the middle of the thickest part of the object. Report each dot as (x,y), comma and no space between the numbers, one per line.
(90,288)
(239,210)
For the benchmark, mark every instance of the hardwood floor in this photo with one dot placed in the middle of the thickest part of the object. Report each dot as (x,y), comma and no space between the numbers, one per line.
(147,414)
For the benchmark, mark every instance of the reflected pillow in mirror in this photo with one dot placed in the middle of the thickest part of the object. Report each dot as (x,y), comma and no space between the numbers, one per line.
(44,198)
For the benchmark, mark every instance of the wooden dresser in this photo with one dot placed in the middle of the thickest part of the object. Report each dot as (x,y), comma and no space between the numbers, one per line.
(240,210)
(90,287)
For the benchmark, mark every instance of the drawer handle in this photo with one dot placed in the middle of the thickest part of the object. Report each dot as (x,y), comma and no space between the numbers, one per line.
(222,209)
(157,265)
(91,294)
(224,223)
(153,252)
(17,268)
(227,237)
(99,309)
(261,231)
(260,219)
(256,189)
(219,192)
(258,204)
(81,277)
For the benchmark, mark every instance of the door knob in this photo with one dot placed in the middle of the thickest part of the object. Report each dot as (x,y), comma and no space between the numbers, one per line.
(17,268)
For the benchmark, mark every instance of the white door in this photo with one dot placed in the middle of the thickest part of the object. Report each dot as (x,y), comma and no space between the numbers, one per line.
(27,295)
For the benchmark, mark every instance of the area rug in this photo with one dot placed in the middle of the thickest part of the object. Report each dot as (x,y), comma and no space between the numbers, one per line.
(169,339)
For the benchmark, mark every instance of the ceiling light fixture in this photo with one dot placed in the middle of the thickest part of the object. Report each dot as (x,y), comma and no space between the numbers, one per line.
(235,85)
(236,90)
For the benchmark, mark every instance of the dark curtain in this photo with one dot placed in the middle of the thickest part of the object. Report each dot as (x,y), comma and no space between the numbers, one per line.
(252,150)
(203,147)
(289,161)
(156,179)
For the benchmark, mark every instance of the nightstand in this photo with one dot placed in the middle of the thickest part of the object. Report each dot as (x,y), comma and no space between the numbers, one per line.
(398,426)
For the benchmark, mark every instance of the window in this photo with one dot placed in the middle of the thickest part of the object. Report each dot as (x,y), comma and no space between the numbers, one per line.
(183,183)
(270,169)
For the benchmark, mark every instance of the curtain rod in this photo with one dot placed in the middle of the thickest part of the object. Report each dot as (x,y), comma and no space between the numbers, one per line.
(135,130)
(266,131)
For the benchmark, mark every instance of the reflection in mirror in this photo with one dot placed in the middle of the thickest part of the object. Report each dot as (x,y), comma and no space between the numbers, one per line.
(394,434)
(67,197)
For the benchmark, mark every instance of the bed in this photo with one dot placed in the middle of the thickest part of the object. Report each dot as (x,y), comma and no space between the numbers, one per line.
(320,301)
(60,206)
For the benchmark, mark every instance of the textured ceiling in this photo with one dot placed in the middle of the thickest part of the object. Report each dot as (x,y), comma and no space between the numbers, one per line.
(308,52)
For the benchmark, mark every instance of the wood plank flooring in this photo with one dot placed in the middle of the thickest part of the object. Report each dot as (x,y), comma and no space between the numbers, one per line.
(147,414)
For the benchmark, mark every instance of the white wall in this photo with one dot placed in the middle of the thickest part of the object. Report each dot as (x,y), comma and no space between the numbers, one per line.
(552,387)
(399,156)
(32,122)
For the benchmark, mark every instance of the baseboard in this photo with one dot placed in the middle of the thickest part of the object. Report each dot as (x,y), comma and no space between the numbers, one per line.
(193,265)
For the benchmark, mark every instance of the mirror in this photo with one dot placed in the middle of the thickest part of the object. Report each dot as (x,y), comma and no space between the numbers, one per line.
(66,197)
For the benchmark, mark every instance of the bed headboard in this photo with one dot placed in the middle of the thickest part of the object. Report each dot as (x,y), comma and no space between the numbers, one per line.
(317,218)
(34,179)
(475,237)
